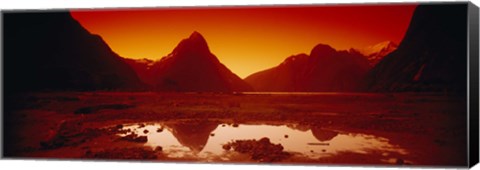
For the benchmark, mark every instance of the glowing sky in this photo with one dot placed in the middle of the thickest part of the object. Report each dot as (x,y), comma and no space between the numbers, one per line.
(247,39)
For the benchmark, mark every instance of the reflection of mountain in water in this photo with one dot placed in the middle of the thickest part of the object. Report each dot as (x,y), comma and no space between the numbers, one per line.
(323,135)
(299,127)
(192,134)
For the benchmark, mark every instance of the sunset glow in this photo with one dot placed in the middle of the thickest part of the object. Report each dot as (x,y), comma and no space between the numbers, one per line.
(247,39)
(269,85)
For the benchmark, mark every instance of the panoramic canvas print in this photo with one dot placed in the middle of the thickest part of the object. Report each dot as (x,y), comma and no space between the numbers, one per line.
(358,84)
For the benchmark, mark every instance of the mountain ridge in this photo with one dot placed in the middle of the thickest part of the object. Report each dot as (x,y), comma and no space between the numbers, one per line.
(325,69)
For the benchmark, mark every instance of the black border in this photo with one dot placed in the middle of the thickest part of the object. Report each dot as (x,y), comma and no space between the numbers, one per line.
(473,72)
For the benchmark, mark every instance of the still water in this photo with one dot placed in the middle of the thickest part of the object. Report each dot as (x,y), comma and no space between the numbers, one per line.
(204,140)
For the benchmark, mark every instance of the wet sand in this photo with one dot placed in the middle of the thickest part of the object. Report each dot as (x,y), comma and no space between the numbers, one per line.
(311,128)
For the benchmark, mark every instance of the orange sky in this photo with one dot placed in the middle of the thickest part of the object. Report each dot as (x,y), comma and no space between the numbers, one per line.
(247,39)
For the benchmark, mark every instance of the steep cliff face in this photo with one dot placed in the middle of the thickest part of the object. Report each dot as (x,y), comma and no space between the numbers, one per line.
(431,57)
(325,69)
(52,51)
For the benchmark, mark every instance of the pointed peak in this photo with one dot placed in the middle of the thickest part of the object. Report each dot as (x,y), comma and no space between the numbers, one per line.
(196,36)
(193,48)
(197,39)
(193,44)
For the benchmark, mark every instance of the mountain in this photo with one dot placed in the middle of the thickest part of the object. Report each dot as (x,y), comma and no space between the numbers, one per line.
(143,68)
(431,57)
(52,51)
(376,52)
(192,67)
(325,69)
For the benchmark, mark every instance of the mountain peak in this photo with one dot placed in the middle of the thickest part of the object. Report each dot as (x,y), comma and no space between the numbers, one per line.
(192,67)
(196,35)
(195,43)
(324,70)
(198,38)
(322,50)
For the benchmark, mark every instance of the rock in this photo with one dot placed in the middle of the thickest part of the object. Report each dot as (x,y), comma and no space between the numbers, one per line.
(160,130)
(262,150)
(158,149)
(135,138)
(227,147)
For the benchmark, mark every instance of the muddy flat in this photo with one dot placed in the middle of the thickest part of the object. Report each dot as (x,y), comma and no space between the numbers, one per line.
(407,129)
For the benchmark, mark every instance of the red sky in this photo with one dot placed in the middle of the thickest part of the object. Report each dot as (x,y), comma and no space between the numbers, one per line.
(247,39)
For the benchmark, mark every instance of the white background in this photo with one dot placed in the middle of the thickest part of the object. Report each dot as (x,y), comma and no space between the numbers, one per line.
(80,165)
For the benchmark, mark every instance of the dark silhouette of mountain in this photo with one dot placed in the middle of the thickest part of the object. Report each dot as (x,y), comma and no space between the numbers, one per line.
(192,67)
(193,134)
(325,69)
(377,52)
(52,51)
(432,55)
(143,68)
